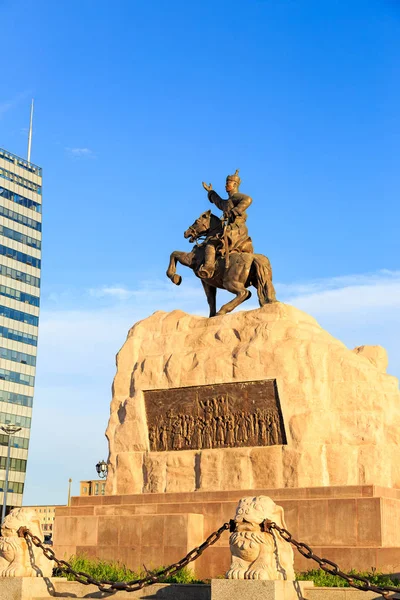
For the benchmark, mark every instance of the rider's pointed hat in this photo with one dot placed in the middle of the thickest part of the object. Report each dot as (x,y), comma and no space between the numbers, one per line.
(234,177)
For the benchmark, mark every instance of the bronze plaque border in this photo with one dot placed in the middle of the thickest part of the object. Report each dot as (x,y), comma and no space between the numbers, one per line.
(213,416)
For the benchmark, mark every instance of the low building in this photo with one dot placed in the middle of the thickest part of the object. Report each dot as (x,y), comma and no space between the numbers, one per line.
(46,514)
(93,487)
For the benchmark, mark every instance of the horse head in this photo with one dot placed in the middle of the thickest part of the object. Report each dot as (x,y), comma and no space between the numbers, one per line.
(205,224)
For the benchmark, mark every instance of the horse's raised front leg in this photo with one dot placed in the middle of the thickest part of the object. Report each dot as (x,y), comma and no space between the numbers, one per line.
(211,293)
(185,258)
(241,295)
(234,278)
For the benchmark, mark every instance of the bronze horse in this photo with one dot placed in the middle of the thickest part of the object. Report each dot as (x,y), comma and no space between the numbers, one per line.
(243,269)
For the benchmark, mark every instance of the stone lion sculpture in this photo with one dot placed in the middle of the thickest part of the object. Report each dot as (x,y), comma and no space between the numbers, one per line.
(19,558)
(257,554)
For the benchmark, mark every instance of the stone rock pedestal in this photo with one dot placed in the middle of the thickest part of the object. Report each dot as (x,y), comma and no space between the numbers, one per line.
(231,589)
(340,411)
(334,465)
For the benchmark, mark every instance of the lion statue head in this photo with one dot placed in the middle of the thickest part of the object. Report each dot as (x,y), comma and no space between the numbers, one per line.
(258,554)
(19,558)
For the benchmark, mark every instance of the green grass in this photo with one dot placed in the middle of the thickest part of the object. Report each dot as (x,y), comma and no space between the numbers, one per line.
(114,571)
(322,579)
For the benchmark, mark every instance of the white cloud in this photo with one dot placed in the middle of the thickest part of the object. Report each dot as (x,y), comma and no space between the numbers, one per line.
(9,104)
(80,152)
(120,293)
(76,361)
(155,292)
(5,107)
(343,294)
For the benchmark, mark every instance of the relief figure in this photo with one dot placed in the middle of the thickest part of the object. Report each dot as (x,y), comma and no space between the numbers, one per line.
(274,438)
(177,435)
(230,432)
(198,435)
(263,431)
(208,435)
(214,426)
(220,433)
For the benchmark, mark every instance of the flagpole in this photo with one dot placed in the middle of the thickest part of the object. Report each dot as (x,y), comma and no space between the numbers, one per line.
(30,134)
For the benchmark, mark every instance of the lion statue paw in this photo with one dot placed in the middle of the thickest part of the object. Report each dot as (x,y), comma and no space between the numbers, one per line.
(17,571)
(257,554)
(235,573)
(19,558)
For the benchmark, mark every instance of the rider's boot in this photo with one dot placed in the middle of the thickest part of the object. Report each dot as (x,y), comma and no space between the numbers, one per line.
(206,271)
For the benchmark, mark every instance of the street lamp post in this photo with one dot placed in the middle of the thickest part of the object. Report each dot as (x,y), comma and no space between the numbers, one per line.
(9,430)
(69,491)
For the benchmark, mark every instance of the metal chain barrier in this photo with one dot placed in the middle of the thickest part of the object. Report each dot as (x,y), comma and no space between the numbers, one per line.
(268,526)
(328,565)
(136,584)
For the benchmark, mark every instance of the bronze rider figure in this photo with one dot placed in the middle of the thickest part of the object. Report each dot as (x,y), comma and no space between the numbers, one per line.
(236,236)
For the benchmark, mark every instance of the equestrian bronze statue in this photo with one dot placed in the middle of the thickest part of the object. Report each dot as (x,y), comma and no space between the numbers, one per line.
(223,255)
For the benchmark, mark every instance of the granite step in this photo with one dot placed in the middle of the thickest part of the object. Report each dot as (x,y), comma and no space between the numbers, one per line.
(73,589)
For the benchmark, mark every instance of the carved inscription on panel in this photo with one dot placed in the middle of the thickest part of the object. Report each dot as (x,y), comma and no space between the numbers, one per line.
(224,415)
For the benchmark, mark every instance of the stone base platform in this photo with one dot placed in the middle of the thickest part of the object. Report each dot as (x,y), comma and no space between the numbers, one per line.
(38,588)
(354,526)
(28,588)
(231,589)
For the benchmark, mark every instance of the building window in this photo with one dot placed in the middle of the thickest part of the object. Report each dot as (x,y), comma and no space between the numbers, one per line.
(20,237)
(17,377)
(18,336)
(19,276)
(20,296)
(14,398)
(13,487)
(26,202)
(22,219)
(18,315)
(16,464)
(29,185)
(18,420)
(20,256)
(16,442)
(20,357)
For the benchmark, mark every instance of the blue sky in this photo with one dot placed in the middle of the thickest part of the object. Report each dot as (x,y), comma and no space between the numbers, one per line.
(139,101)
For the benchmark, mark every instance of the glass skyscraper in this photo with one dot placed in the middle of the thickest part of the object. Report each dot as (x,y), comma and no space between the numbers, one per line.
(20,263)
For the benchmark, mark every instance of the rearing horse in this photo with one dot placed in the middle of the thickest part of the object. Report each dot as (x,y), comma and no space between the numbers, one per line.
(243,270)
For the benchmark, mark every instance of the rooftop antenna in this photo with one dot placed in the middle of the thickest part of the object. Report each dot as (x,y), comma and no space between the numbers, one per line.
(30,134)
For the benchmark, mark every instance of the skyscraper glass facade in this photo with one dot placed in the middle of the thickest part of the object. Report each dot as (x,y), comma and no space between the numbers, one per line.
(20,263)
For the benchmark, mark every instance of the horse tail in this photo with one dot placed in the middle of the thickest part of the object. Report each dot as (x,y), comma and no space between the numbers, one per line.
(263,279)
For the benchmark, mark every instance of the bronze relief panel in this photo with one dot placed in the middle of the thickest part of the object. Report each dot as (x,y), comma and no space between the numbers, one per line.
(225,415)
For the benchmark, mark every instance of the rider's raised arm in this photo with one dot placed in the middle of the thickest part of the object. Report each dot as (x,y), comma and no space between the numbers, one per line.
(217,200)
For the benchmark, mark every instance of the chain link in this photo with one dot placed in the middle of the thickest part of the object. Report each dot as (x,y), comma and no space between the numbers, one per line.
(328,565)
(136,584)
(355,581)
